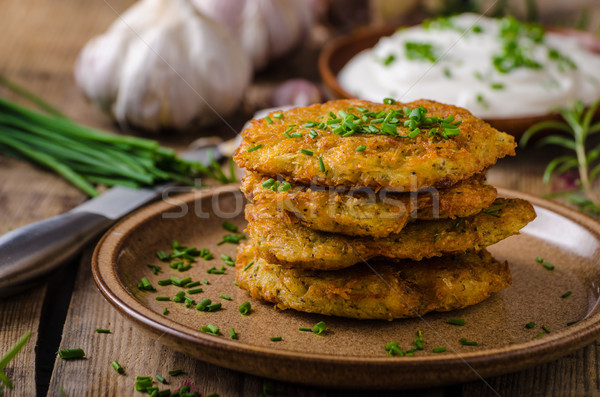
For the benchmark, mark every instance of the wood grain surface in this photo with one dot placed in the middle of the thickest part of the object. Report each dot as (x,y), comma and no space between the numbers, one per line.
(39,42)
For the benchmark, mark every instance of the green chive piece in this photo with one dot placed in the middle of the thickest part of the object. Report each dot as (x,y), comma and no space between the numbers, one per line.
(393,349)
(214,270)
(389,101)
(203,305)
(245,308)
(232,334)
(296,135)
(572,323)
(285,186)
(268,183)
(12,352)
(310,124)
(175,372)
(276,338)
(548,265)
(546,329)
(360,148)
(278,115)
(162,298)
(229,226)
(539,259)
(205,281)
(254,148)
(313,134)
(568,293)
(539,335)
(456,321)
(232,239)
(306,152)
(165,282)
(530,325)
(226,297)
(319,327)
(68,354)
(465,342)
(213,307)
(248,266)
(209,329)
(161,380)
(118,367)
(155,269)
(321,164)
(439,349)
(165,311)
(269,121)
(194,291)
(305,329)
(414,133)
(102,331)
(192,284)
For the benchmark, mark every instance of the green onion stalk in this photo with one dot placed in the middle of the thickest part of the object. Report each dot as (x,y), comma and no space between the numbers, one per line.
(87,157)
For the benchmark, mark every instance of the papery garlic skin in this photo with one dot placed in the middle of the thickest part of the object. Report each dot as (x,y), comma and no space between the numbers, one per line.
(266,29)
(163,64)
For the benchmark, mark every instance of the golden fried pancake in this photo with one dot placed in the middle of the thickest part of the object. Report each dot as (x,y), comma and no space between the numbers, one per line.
(286,146)
(281,240)
(377,291)
(363,212)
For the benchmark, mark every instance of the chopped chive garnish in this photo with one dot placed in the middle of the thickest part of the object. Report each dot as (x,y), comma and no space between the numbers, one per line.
(232,334)
(118,367)
(530,325)
(161,379)
(176,372)
(145,285)
(310,124)
(164,282)
(278,115)
(203,305)
(276,338)
(548,265)
(254,148)
(439,349)
(214,270)
(245,308)
(192,284)
(285,186)
(393,349)
(213,307)
(205,281)
(414,133)
(248,266)
(296,135)
(568,293)
(539,335)
(321,164)
(465,342)
(165,311)
(226,297)
(497,86)
(102,331)
(572,323)
(360,148)
(456,321)
(546,329)
(269,121)
(319,327)
(305,329)
(209,329)
(232,239)
(306,152)
(162,298)
(389,101)
(436,238)
(68,354)
(155,269)
(194,291)
(229,226)
(313,134)
(267,184)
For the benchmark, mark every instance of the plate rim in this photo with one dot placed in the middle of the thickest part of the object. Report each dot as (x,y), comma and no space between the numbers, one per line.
(487,361)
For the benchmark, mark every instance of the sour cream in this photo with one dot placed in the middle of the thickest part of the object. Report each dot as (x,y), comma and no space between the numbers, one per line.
(452,61)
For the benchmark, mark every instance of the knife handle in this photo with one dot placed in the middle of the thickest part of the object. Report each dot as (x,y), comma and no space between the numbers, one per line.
(29,253)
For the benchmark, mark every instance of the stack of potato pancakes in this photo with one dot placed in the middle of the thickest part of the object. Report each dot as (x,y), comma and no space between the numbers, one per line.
(374,211)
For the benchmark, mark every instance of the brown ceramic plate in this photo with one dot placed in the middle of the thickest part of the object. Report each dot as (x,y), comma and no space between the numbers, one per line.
(339,51)
(351,354)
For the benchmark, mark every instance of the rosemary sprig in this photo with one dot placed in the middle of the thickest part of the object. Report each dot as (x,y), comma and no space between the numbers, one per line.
(578,127)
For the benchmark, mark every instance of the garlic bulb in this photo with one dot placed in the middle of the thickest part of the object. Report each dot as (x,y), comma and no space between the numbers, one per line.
(265,28)
(164,65)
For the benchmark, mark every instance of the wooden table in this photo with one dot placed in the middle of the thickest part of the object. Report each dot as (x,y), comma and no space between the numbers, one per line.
(39,41)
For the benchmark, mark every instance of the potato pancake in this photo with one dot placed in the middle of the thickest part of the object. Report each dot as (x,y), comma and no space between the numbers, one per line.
(281,239)
(363,212)
(377,291)
(356,143)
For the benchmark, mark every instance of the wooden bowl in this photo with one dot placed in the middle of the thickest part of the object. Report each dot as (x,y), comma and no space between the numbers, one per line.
(340,50)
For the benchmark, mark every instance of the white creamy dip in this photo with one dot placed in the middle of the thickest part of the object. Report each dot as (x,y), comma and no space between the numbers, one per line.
(451,60)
